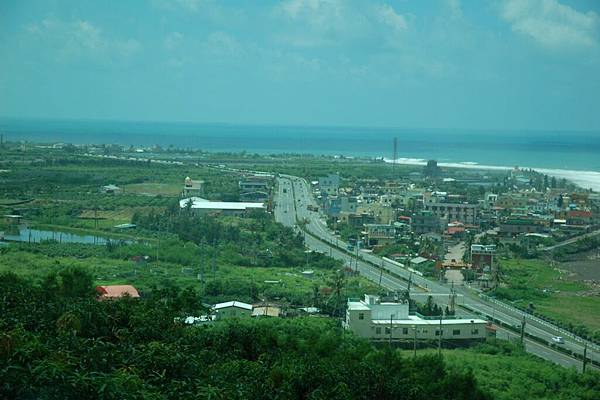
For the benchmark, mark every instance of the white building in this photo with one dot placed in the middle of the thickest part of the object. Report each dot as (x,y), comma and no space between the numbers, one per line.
(203,206)
(379,321)
(192,187)
(329,184)
(232,309)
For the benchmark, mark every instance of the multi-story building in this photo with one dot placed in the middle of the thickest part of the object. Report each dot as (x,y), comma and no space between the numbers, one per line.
(329,184)
(450,208)
(192,188)
(390,321)
(426,222)
(379,234)
(482,256)
(256,187)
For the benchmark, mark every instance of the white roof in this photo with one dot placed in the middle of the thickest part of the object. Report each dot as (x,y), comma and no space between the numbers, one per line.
(413,320)
(199,203)
(237,304)
(418,260)
(357,305)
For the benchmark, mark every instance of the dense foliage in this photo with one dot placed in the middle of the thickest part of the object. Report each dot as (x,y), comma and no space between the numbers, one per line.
(64,344)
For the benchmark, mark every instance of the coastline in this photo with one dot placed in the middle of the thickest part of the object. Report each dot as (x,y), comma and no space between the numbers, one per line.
(583,179)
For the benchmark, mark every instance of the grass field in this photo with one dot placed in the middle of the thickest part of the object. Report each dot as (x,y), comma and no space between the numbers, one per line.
(247,281)
(154,189)
(508,373)
(552,291)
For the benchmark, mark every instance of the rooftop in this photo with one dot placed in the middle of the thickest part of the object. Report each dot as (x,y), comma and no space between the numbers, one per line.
(234,303)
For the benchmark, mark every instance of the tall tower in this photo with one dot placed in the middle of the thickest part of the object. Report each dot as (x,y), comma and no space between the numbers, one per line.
(395,157)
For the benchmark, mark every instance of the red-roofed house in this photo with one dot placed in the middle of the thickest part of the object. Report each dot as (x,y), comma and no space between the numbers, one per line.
(579,217)
(116,291)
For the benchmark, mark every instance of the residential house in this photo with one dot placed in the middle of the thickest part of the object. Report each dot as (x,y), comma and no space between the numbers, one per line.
(390,321)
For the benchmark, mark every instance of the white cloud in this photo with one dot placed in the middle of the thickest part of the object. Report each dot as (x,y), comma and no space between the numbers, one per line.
(552,24)
(222,44)
(173,40)
(317,23)
(387,15)
(455,8)
(80,38)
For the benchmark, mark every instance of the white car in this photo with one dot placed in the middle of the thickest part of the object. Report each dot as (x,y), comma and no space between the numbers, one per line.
(558,339)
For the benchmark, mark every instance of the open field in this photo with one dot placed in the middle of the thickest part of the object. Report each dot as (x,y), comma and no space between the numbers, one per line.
(154,189)
(552,291)
(226,282)
(508,373)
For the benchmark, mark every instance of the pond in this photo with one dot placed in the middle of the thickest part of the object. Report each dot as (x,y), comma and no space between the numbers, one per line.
(36,236)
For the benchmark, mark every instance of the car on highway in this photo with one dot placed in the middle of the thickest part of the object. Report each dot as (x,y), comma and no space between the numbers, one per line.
(558,339)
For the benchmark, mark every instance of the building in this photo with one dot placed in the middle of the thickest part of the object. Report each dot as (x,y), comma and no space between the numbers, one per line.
(451,208)
(329,184)
(111,189)
(431,170)
(116,292)
(515,226)
(482,256)
(384,321)
(202,206)
(256,188)
(232,309)
(379,234)
(266,311)
(425,222)
(192,188)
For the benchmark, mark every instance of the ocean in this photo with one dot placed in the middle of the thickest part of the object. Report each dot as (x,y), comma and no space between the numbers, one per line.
(572,155)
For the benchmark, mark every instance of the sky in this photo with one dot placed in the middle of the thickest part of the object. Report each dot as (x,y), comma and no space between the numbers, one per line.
(470,64)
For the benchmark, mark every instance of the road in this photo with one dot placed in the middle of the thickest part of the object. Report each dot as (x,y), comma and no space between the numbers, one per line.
(294,196)
(572,240)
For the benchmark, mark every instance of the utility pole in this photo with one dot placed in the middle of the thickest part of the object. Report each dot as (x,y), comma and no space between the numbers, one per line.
(584,357)
(391,316)
(356,253)
(395,157)
(214,259)
(452,305)
(440,337)
(523,322)
(415,342)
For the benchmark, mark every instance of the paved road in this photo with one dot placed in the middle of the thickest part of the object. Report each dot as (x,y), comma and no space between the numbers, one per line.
(572,240)
(291,207)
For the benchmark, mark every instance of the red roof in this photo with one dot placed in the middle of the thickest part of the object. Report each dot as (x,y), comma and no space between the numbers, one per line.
(580,213)
(117,291)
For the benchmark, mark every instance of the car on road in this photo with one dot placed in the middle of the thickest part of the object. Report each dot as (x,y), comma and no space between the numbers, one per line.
(558,339)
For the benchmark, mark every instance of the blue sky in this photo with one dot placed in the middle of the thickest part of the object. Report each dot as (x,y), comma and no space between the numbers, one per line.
(497,64)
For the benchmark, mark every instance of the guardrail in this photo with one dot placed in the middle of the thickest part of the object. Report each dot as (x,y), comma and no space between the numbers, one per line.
(540,321)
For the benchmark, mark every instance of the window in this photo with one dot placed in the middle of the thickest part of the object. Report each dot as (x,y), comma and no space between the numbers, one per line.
(361,316)
(456,332)
(438,332)
(405,331)
(378,330)
(475,331)
(387,331)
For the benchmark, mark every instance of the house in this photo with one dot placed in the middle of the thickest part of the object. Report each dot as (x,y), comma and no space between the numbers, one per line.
(379,234)
(329,184)
(13,219)
(514,226)
(390,321)
(266,311)
(482,256)
(425,222)
(256,188)
(192,187)
(111,189)
(232,309)
(116,292)
(451,208)
(199,205)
